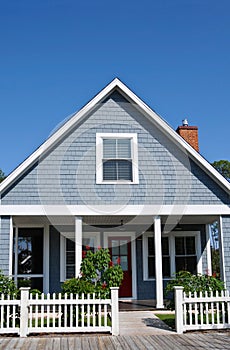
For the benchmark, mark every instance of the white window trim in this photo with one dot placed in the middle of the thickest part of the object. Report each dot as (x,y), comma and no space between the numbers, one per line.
(171,237)
(71,235)
(99,156)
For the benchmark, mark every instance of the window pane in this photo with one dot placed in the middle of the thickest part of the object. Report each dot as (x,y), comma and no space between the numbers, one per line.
(180,264)
(151,267)
(191,264)
(70,271)
(124,168)
(70,245)
(151,250)
(70,257)
(124,263)
(166,266)
(123,247)
(109,148)
(33,283)
(186,264)
(109,170)
(165,246)
(179,246)
(30,251)
(123,148)
(190,245)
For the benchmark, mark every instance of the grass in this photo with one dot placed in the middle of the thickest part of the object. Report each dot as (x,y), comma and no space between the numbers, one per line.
(168,319)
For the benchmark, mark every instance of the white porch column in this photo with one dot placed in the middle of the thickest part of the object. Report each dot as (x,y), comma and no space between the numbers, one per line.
(158,262)
(78,245)
(208,249)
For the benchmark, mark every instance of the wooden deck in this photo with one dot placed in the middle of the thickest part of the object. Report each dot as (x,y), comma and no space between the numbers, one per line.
(189,341)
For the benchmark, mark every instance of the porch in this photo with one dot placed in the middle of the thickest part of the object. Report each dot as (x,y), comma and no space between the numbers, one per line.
(145,245)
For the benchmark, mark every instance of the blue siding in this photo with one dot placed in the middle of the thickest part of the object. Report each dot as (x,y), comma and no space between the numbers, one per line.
(4,244)
(67,174)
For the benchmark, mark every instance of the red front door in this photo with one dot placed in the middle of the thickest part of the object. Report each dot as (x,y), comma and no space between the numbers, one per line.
(120,250)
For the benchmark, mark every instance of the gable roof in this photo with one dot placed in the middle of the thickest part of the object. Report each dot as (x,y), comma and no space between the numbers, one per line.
(160,123)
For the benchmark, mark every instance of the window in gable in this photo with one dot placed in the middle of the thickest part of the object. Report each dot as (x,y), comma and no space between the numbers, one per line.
(117,158)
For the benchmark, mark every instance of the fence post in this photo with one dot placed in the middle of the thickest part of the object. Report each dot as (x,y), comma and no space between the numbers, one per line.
(115,310)
(179,309)
(24,311)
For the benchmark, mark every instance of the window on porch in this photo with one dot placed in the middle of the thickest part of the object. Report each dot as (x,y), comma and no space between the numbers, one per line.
(89,242)
(179,252)
(165,257)
(185,254)
(28,257)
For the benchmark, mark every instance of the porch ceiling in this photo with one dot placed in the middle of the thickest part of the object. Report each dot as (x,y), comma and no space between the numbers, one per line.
(112,220)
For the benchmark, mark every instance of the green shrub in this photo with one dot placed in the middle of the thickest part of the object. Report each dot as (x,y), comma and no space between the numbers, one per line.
(7,286)
(98,274)
(195,283)
(192,283)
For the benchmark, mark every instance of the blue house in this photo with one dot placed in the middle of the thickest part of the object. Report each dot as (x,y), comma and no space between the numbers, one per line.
(114,175)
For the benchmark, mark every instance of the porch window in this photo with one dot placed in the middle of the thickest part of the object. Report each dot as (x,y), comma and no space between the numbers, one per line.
(116,158)
(185,254)
(151,257)
(180,251)
(28,257)
(89,242)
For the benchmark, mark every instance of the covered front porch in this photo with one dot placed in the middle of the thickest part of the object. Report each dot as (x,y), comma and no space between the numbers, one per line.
(48,249)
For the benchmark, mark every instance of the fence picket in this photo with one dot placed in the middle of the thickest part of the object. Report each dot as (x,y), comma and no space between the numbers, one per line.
(48,311)
(57,313)
(204,311)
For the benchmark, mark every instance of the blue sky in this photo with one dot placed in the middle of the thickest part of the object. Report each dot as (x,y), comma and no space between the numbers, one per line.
(56,55)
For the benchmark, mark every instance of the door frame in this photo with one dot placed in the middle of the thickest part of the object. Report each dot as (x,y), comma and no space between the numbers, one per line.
(133,257)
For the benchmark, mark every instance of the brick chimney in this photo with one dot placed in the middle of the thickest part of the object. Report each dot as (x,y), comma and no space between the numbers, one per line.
(189,134)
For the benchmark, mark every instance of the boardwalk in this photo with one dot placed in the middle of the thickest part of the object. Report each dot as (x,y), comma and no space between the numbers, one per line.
(139,330)
(190,341)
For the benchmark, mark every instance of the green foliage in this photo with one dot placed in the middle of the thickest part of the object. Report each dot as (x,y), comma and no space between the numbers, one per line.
(223,166)
(195,283)
(98,274)
(2,175)
(7,286)
(77,286)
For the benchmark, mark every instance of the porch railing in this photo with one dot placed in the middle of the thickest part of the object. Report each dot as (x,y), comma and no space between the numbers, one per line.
(57,313)
(201,311)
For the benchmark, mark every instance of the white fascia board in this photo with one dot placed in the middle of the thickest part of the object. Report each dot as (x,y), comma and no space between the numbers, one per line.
(113,210)
(144,108)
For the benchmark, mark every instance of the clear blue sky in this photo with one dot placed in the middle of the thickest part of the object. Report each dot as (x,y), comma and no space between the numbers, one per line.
(56,55)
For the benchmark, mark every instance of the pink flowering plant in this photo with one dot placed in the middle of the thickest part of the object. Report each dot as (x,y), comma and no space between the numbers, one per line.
(98,274)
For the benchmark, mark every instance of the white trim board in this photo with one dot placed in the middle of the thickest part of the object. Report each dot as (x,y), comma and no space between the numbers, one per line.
(113,210)
(116,84)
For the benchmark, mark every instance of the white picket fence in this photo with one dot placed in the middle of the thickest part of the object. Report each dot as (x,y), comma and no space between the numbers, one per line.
(201,311)
(56,313)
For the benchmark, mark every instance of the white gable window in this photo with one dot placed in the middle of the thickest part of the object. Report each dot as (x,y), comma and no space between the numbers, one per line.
(117,159)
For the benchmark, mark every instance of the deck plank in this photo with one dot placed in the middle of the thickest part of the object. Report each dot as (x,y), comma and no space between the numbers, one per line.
(118,343)
(188,341)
